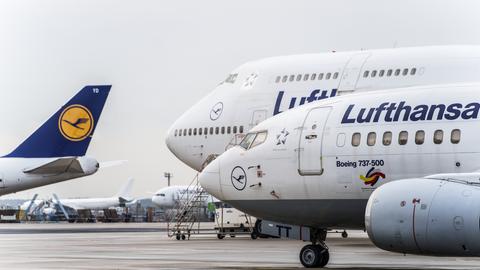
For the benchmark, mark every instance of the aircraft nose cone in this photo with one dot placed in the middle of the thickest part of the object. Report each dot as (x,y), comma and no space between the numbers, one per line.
(209,179)
(169,140)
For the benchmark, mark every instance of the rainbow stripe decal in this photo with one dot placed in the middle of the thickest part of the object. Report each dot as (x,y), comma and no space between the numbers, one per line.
(372,177)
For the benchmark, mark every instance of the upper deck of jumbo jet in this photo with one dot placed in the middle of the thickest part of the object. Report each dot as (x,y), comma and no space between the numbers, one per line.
(260,89)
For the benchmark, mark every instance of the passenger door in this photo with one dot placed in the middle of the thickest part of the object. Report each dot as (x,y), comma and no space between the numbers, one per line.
(257,117)
(311,138)
(351,73)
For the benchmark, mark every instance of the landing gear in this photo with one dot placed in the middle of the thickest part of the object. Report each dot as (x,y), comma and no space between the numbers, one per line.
(344,234)
(316,254)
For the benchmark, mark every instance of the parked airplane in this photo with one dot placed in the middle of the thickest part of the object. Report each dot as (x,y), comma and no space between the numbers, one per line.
(55,152)
(316,166)
(120,199)
(174,196)
(258,90)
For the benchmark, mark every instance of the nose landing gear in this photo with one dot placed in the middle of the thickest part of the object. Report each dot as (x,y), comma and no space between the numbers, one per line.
(316,254)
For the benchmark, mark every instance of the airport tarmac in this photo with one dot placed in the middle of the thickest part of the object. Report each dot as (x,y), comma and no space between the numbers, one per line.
(146,246)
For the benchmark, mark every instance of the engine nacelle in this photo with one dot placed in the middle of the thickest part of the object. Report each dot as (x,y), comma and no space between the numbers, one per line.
(425,216)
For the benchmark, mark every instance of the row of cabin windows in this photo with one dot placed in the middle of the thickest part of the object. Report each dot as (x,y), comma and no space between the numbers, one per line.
(306,77)
(438,137)
(389,72)
(208,131)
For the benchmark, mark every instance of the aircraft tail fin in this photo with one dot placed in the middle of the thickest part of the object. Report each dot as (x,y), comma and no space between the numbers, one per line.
(69,131)
(126,191)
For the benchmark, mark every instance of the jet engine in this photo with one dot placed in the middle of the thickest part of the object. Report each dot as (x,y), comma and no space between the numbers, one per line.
(437,215)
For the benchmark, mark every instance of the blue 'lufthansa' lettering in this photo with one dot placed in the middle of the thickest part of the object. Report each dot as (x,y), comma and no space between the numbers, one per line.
(316,94)
(393,112)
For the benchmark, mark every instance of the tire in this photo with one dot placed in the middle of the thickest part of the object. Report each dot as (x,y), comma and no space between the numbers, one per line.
(177,236)
(325,256)
(254,235)
(309,256)
(312,256)
(220,236)
(183,237)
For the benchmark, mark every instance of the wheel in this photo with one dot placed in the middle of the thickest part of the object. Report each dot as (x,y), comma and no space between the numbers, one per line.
(232,235)
(220,236)
(254,235)
(183,237)
(314,256)
(177,236)
(344,234)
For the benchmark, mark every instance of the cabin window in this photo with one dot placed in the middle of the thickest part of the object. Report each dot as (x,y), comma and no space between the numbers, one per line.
(285,78)
(277,80)
(211,130)
(389,73)
(356,139)
(205,131)
(241,129)
(371,138)
(419,137)
(292,77)
(335,75)
(184,132)
(305,78)
(438,136)
(341,139)
(195,131)
(397,72)
(189,132)
(374,73)
(234,129)
(217,129)
(405,72)
(329,75)
(381,73)
(413,71)
(314,76)
(200,130)
(176,131)
(456,134)
(403,137)
(259,139)
(387,138)
(299,77)
(320,76)
(229,130)
(365,74)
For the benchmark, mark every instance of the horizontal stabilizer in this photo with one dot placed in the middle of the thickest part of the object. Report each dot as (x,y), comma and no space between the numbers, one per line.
(57,166)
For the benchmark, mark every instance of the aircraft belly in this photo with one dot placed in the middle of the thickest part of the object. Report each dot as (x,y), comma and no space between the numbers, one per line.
(322,213)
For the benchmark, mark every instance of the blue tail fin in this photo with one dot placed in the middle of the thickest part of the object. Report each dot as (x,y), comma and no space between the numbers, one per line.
(69,131)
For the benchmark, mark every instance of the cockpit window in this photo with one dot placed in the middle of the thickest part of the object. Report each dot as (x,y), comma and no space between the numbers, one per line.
(161,194)
(259,139)
(231,78)
(253,139)
(247,141)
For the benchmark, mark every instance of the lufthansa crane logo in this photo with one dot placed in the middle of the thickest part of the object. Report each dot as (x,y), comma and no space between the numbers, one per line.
(216,111)
(75,123)
(239,178)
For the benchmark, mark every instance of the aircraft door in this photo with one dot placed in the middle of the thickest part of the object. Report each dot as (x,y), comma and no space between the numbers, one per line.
(351,73)
(310,145)
(257,117)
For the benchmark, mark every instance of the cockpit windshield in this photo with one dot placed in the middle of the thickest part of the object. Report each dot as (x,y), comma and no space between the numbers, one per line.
(253,139)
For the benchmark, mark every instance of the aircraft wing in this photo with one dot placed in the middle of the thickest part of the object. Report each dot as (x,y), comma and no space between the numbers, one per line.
(57,166)
(473,177)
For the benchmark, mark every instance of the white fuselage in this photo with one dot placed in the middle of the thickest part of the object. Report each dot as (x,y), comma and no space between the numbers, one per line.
(92,203)
(319,163)
(258,90)
(14,176)
(174,196)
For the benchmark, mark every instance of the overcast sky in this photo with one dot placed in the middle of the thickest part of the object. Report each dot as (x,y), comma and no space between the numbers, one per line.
(163,56)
